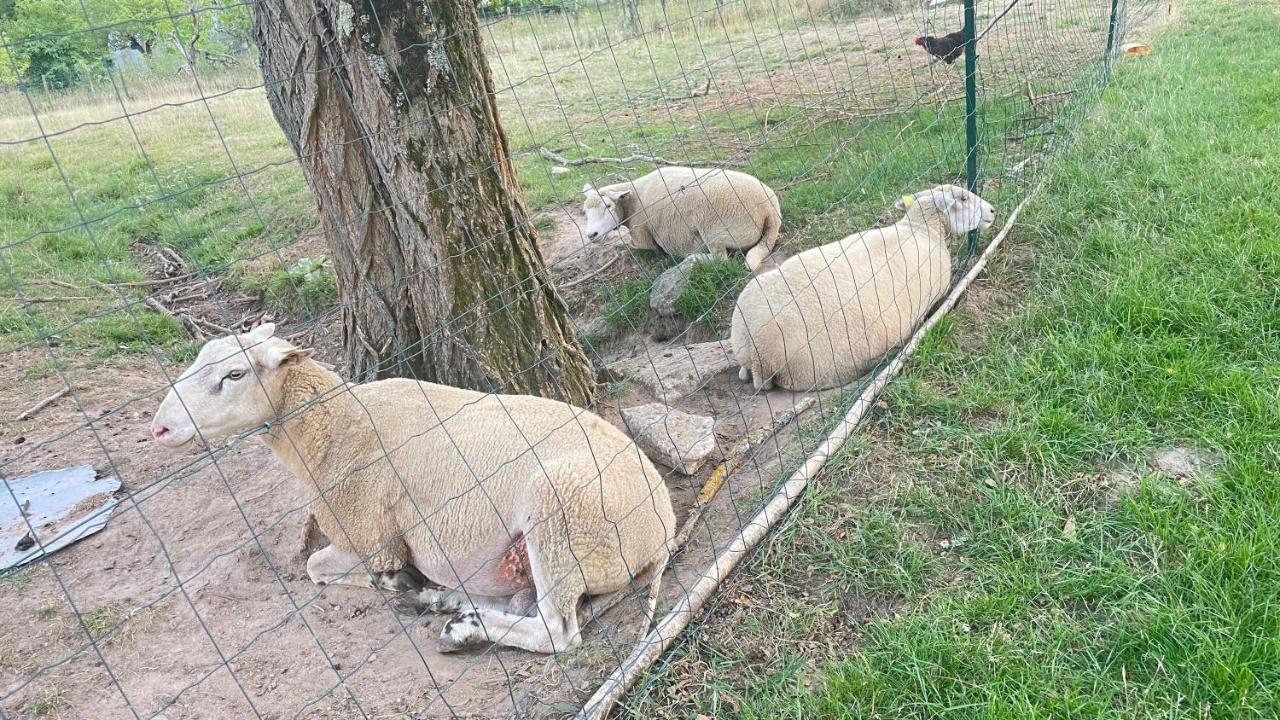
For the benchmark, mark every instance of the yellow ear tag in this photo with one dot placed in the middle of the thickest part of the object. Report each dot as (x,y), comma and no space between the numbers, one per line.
(908,200)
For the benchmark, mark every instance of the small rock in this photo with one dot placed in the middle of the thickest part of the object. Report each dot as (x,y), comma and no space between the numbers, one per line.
(669,286)
(559,170)
(1181,462)
(677,372)
(672,437)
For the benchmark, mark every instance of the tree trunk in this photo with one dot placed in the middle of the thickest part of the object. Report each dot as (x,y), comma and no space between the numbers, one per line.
(633,15)
(390,107)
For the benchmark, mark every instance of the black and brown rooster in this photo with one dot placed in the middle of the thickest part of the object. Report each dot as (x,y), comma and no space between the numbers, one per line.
(946,48)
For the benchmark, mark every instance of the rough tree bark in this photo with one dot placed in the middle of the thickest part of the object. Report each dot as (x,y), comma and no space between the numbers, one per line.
(390,107)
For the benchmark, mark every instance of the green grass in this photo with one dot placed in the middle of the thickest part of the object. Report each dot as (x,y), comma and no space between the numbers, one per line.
(625,305)
(997,545)
(305,288)
(713,287)
(45,703)
(17,579)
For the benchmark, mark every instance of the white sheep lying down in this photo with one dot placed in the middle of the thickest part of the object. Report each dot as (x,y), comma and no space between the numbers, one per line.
(518,506)
(685,211)
(826,315)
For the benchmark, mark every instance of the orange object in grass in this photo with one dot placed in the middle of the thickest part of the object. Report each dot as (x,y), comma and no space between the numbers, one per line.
(1135,49)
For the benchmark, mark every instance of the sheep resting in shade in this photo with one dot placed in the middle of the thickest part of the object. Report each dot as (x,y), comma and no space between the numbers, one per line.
(823,317)
(515,507)
(685,211)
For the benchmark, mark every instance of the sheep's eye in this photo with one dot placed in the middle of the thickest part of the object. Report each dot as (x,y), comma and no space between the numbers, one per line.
(234,375)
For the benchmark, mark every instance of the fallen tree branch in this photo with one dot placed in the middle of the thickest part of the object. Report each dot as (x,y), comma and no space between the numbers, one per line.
(56,299)
(706,90)
(187,321)
(210,325)
(148,283)
(31,411)
(591,274)
(1032,98)
(590,160)
(995,20)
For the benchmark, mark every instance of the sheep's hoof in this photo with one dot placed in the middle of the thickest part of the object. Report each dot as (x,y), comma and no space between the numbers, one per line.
(459,633)
(744,374)
(403,580)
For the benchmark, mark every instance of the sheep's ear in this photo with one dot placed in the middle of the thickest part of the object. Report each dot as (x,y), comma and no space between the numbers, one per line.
(261,333)
(283,355)
(616,195)
(904,202)
(944,200)
(587,189)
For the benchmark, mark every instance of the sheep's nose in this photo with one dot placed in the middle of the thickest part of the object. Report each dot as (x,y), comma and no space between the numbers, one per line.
(159,432)
(592,235)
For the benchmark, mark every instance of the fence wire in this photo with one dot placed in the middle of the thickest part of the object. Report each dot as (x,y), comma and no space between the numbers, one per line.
(154,208)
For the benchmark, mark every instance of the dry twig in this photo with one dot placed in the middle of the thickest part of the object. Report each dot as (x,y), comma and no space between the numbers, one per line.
(589,160)
(31,411)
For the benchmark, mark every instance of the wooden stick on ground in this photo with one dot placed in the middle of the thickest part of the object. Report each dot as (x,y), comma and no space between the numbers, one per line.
(31,411)
(150,283)
(588,160)
(593,273)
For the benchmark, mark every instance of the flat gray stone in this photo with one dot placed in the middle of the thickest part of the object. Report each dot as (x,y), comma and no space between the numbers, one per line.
(669,286)
(681,441)
(674,373)
(1182,462)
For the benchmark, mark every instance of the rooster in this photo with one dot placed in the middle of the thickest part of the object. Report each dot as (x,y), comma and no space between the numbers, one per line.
(951,46)
(946,48)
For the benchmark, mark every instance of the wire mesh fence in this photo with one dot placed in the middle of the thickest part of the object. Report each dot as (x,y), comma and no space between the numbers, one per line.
(197,252)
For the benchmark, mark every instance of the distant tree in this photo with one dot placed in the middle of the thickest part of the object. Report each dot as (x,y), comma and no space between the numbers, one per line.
(390,107)
(51,41)
(56,41)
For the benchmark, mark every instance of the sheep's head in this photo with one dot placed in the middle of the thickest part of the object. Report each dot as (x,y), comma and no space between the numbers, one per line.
(962,210)
(234,384)
(601,208)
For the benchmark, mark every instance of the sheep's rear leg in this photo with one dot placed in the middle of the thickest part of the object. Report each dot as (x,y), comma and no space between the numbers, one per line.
(546,631)
(406,579)
(552,627)
(332,566)
(757,255)
(439,599)
(761,382)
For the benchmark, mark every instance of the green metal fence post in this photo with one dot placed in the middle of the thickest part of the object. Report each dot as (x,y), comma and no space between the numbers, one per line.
(971,107)
(1111,33)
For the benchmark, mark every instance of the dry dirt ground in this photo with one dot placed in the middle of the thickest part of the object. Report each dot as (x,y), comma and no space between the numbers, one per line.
(196,595)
